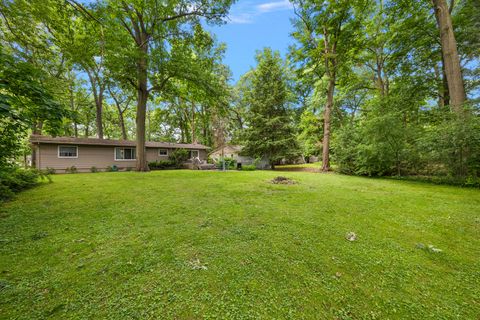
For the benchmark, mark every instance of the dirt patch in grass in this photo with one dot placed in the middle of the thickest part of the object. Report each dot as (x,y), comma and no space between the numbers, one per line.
(282,180)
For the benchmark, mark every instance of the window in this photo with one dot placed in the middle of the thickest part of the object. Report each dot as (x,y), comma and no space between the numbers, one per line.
(193,154)
(163,152)
(125,154)
(67,151)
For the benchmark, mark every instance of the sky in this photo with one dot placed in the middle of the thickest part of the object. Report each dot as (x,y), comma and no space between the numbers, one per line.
(252,25)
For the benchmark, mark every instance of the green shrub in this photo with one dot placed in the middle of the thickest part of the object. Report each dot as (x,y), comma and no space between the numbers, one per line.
(93,169)
(112,168)
(162,164)
(178,156)
(49,170)
(230,163)
(249,167)
(5,193)
(13,180)
(128,169)
(71,169)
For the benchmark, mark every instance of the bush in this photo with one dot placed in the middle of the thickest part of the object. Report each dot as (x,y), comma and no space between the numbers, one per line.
(128,169)
(178,156)
(112,168)
(49,170)
(71,169)
(230,163)
(13,180)
(249,167)
(162,164)
(93,169)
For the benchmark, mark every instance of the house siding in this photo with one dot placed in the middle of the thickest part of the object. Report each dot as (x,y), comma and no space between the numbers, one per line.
(100,157)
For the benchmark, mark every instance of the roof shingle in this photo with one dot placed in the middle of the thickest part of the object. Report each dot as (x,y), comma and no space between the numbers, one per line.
(108,142)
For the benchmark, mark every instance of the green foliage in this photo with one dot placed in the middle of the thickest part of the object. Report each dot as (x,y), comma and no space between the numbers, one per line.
(383,145)
(269,132)
(112,168)
(49,170)
(93,169)
(249,167)
(311,132)
(71,169)
(230,163)
(162,164)
(24,102)
(178,156)
(14,180)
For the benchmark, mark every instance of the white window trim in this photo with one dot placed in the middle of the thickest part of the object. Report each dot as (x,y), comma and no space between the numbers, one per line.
(198,154)
(163,155)
(63,157)
(115,154)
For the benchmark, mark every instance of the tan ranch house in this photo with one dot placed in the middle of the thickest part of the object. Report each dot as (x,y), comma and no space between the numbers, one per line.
(61,153)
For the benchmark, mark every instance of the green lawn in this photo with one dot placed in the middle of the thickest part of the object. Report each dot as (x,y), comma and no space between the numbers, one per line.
(190,245)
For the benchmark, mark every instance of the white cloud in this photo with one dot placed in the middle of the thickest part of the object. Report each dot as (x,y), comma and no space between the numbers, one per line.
(243,18)
(274,6)
(247,11)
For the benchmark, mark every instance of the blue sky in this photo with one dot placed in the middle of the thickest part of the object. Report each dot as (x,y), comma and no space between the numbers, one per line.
(252,25)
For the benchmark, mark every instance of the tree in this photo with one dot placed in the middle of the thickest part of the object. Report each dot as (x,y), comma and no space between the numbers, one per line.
(451,59)
(269,132)
(24,102)
(152,38)
(327,32)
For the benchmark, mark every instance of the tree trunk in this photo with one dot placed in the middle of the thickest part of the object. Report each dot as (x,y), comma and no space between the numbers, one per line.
(98,97)
(451,59)
(122,126)
(194,138)
(326,125)
(72,107)
(142,97)
(37,129)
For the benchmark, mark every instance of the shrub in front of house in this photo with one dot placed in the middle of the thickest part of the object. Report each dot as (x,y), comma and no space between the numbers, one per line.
(49,170)
(162,165)
(178,156)
(71,169)
(93,169)
(230,163)
(249,167)
(112,168)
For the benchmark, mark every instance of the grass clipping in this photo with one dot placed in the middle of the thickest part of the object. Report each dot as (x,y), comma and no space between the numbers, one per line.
(282,180)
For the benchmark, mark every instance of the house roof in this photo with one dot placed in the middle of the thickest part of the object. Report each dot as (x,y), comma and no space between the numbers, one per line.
(108,142)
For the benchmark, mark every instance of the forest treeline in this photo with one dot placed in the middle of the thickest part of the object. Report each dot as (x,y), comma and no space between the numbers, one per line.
(373,87)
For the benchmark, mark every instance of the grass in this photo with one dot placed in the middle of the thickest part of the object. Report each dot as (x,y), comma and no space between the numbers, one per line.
(315,165)
(189,245)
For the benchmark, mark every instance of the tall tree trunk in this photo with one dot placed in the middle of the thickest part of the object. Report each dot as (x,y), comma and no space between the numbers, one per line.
(451,59)
(142,97)
(326,124)
(72,107)
(122,126)
(194,138)
(445,92)
(37,129)
(98,97)
(121,119)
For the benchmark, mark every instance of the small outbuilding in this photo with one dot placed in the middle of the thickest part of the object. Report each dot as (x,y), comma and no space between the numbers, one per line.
(235,152)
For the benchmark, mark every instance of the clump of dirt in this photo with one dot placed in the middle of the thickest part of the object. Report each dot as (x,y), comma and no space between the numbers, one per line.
(282,180)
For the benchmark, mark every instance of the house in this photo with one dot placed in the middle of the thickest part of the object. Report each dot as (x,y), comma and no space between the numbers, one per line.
(234,152)
(61,153)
